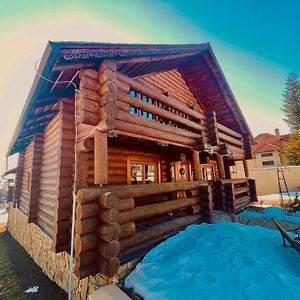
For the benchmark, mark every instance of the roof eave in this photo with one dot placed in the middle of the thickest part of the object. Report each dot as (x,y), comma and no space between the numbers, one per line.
(48,60)
(230,91)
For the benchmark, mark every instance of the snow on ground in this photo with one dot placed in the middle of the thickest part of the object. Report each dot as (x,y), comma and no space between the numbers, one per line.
(219,261)
(272,212)
(274,197)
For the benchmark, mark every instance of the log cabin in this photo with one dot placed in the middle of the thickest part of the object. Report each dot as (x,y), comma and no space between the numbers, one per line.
(141,136)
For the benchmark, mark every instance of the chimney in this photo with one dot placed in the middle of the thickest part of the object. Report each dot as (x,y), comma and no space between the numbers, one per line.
(277,133)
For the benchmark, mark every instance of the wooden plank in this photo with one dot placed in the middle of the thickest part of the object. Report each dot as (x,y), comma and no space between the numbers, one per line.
(101,158)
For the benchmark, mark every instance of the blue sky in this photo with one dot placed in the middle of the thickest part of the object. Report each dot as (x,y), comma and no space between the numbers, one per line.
(256,43)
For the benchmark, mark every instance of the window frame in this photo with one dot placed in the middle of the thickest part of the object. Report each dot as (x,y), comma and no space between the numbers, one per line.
(144,161)
(268,163)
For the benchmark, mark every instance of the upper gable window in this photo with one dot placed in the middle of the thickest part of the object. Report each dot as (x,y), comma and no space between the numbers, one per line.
(139,112)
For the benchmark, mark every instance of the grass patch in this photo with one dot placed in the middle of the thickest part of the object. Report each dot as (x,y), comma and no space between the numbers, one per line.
(10,287)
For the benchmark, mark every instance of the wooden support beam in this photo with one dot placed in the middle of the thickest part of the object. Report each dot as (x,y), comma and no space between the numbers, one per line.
(221,167)
(246,170)
(196,163)
(101,158)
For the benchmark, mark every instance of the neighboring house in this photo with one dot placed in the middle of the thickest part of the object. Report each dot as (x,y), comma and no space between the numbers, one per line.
(266,150)
(266,159)
(154,127)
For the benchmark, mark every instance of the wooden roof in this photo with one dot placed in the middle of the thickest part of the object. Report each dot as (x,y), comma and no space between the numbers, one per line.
(63,60)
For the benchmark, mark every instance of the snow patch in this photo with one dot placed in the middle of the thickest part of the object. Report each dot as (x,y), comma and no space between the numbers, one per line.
(272,212)
(219,261)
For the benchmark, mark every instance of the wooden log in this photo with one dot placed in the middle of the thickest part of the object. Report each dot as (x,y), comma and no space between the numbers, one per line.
(123,116)
(108,250)
(86,242)
(125,204)
(229,131)
(89,83)
(88,94)
(87,258)
(147,211)
(221,167)
(152,132)
(108,98)
(229,139)
(89,105)
(107,75)
(159,111)
(88,210)
(108,228)
(109,200)
(92,194)
(246,169)
(108,87)
(195,209)
(142,249)
(196,163)
(93,74)
(83,272)
(86,225)
(127,230)
(89,118)
(107,64)
(123,87)
(101,158)
(108,267)
(108,216)
(155,94)
(241,190)
(85,145)
(158,230)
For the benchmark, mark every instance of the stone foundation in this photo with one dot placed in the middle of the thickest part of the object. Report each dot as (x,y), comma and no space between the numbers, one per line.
(56,266)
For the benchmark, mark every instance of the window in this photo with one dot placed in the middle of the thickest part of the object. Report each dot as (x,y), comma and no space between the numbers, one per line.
(143,172)
(267,154)
(268,163)
(233,169)
(139,112)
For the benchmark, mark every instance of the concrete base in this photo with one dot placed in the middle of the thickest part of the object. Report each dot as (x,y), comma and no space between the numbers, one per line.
(109,292)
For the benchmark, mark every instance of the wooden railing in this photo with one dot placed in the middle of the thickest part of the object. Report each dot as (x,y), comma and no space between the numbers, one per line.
(232,195)
(115,224)
(114,102)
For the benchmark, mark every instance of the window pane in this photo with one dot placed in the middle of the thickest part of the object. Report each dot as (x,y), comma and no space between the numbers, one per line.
(136,174)
(149,174)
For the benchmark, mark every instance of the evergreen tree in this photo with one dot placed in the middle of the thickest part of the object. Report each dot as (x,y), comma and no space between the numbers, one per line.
(291,150)
(291,109)
(291,103)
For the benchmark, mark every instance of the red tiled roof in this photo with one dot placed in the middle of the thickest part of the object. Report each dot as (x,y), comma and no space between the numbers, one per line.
(265,142)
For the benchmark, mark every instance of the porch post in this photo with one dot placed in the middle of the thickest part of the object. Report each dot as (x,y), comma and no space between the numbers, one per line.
(221,166)
(196,164)
(246,170)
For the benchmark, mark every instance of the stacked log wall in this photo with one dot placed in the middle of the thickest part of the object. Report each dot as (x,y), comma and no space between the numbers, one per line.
(233,195)
(123,230)
(118,159)
(56,178)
